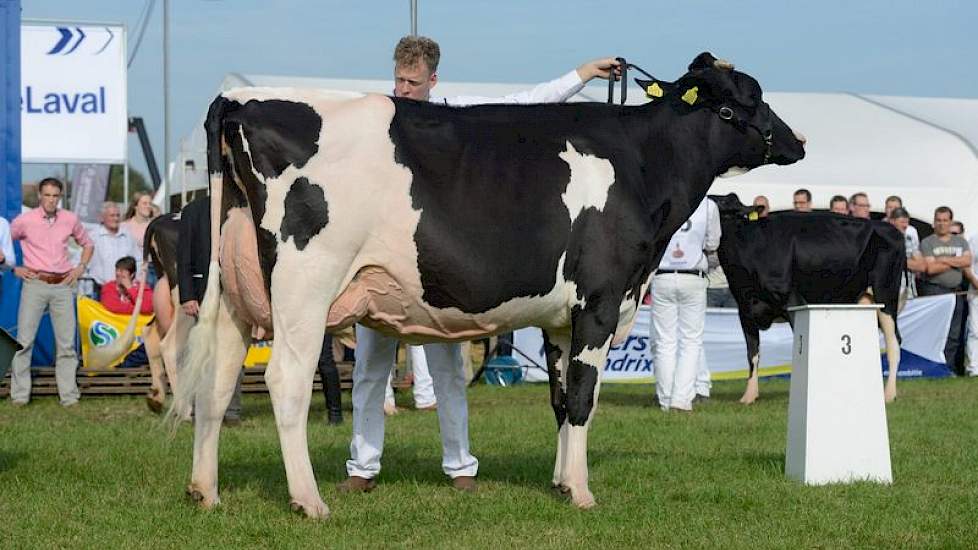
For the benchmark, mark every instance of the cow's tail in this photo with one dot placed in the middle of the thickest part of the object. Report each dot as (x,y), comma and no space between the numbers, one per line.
(199,354)
(102,357)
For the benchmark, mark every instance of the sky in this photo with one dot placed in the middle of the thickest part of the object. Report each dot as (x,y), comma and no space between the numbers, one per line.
(904,47)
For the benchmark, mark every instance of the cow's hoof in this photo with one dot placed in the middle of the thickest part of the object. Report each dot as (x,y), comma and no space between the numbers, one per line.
(200,498)
(317,510)
(890,393)
(749,397)
(154,404)
(582,499)
(390,410)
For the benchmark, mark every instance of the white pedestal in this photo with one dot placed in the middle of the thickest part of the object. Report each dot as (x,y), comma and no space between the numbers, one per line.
(836,416)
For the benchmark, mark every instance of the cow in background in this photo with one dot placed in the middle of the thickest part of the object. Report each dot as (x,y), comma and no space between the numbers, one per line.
(791,259)
(438,223)
(166,334)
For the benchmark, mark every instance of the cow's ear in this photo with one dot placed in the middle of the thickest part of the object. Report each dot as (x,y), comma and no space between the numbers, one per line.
(704,60)
(655,89)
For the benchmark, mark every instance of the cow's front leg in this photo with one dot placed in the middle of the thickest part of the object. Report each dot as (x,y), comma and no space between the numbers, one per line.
(213,395)
(583,382)
(753,362)
(557,346)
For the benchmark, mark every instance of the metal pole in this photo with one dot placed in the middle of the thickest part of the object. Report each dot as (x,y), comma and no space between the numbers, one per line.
(414,17)
(166,105)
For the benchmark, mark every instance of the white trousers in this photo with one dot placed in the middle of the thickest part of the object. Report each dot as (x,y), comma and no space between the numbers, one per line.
(424,388)
(971,364)
(678,316)
(375,360)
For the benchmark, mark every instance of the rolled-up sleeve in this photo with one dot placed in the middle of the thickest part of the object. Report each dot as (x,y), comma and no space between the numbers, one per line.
(713,231)
(81,236)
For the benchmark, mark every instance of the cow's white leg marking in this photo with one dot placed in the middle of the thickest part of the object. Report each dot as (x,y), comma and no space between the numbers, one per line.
(892,354)
(172,348)
(301,295)
(213,395)
(752,391)
(575,474)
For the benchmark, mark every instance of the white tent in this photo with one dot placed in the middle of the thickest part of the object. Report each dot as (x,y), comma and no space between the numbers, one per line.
(922,149)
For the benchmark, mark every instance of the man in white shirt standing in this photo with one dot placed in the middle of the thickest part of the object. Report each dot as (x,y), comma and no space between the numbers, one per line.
(111,243)
(415,74)
(679,307)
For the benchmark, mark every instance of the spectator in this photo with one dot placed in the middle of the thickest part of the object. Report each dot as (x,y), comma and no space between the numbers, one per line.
(957,228)
(971,364)
(111,243)
(761,200)
(679,308)
(7,258)
(900,219)
(138,216)
(49,284)
(119,296)
(859,205)
(802,200)
(193,261)
(839,205)
(892,203)
(946,257)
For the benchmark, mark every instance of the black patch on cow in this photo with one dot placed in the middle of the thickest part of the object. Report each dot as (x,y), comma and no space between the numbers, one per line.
(279,133)
(306,212)
(558,397)
(581,380)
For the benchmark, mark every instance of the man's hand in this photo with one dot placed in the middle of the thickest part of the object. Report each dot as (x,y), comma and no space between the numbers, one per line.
(191,308)
(74,274)
(25,273)
(141,278)
(605,68)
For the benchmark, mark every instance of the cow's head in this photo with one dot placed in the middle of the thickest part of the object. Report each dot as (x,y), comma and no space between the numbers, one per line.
(731,209)
(744,132)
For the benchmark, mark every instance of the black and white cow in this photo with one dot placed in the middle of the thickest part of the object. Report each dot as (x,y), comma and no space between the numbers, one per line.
(432,222)
(795,258)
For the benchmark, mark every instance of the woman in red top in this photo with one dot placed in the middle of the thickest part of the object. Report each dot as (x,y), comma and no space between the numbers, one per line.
(119,296)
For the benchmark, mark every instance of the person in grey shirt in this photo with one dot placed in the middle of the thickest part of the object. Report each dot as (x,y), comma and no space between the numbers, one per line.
(946,257)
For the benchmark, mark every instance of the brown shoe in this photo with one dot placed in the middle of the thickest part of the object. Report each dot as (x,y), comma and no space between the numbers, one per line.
(465,483)
(355,484)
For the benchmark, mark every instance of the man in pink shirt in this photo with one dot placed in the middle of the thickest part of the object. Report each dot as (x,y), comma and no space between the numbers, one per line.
(49,284)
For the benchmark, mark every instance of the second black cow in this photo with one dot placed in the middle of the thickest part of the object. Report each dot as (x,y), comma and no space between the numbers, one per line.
(797,258)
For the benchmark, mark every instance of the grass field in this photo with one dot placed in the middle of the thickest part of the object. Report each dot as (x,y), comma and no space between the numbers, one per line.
(104,474)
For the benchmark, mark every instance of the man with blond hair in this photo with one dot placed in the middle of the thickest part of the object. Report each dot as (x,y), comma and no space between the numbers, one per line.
(416,61)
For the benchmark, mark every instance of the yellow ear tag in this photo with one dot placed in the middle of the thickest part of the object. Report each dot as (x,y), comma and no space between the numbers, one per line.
(653,90)
(752,216)
(690,95)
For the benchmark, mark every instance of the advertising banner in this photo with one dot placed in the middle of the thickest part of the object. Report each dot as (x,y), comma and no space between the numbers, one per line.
(73,93)
(923,324)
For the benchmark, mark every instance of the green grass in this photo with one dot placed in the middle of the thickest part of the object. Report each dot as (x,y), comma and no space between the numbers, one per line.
(104,474)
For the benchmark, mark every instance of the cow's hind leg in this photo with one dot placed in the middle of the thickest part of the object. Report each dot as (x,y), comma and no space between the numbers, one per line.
(157,389)
(892,354)
(213,395)
(583,382)
(299,314)
(557,346)
(753,362)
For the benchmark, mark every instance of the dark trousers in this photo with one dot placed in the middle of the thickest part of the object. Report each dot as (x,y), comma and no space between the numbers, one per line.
(953,348)
(330,377)
(720,297)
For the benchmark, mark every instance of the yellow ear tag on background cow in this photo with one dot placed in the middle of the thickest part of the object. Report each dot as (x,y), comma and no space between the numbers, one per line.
(691,95)
(653,90)
(752,216)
